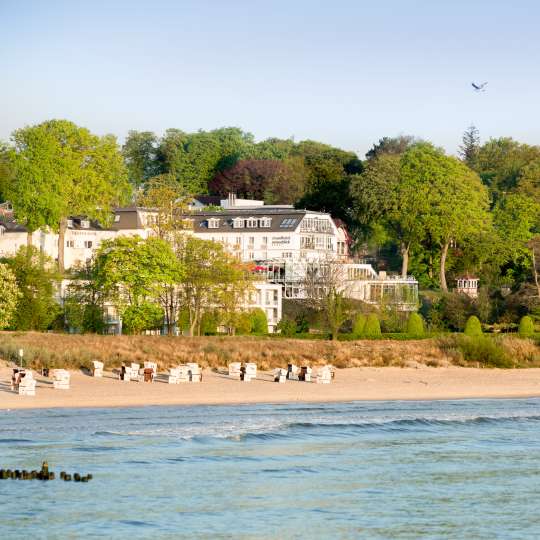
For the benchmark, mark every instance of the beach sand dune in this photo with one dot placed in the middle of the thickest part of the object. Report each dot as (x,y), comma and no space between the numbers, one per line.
(370,383)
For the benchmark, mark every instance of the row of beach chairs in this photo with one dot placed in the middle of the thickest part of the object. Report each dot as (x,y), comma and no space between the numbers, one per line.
(294,373)
(247,372)
(23,382)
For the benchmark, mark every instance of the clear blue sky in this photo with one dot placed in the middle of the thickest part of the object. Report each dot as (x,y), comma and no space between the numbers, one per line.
(342,72)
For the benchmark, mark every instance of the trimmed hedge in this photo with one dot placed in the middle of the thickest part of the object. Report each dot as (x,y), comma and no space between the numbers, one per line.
(526,327)
(359,325)
(372,329)
(473,328)
(415,325)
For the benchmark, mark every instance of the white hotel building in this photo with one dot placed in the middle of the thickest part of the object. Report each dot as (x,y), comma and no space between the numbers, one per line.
(284,244)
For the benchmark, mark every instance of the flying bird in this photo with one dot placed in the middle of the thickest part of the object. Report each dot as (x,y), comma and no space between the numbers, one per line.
(479,87)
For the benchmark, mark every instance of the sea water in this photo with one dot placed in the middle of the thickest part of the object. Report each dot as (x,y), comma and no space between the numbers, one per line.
(396,470)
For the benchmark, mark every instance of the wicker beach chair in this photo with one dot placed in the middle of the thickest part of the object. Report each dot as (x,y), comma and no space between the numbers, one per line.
(324,375)
(61,378)
(27,384)
(280,375)
(97,370)
(234,370)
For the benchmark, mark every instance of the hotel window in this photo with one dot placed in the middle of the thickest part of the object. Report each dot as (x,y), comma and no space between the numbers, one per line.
(251,255)
(264,241)
(70,243)
(251,223)
(329,242)
(251,242)
(275,297)
(319,242)
(288,223)
(287,254)
(88,244)
(266,222)
(70,223)
(85,224)
(238,223)
(213,223)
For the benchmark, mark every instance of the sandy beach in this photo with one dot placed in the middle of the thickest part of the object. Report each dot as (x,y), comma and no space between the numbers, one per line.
(387,383)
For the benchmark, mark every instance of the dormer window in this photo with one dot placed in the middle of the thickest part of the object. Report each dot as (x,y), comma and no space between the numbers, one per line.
(213,223)
(238,223)
(85,224)
(266,222)
(251,223)
(70,223)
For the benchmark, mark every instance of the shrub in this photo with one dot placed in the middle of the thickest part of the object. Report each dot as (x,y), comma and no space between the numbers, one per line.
(526,327)
(259,322)
(359,325)
(243,323)
(286,327)
(209,323)
(372,328)
(415,325)
(473,328)
(482,349)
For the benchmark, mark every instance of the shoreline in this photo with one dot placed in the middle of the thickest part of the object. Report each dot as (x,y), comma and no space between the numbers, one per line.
(351,384)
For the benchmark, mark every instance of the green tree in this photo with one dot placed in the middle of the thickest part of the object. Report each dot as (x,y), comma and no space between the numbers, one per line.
(259,321)
(9,297)
(327,295)
(212,279)
(391,146)
(144,316)
(36,281)
(132,271)
(468,151)
(61,169)
(168,202)
(194,158)
(473,327)
(500,162)
(140,154)
(455,204)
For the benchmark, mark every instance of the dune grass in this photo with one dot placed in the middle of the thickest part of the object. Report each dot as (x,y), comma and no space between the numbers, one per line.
(77,351)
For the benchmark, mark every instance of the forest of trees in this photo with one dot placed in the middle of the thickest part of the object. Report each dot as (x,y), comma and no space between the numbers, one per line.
(408,204)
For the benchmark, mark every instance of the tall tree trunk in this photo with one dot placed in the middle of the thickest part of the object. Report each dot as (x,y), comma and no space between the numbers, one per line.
(62,244)
(444,253)
(404,259)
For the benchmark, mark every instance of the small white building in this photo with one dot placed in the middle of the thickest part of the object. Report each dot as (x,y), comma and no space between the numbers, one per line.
(468,285)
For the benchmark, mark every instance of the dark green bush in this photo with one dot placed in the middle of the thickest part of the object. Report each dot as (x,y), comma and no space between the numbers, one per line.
(286,327)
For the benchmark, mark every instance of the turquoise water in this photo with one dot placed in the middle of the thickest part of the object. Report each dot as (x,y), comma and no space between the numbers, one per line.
(399,470)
